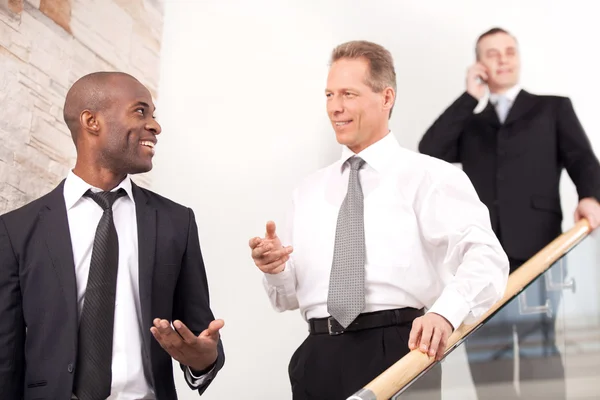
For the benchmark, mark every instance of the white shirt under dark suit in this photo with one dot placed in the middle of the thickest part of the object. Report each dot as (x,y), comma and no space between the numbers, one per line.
(128,379)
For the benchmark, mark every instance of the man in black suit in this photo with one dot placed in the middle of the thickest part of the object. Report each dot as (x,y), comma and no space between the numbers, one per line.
(514,152)
(94,269)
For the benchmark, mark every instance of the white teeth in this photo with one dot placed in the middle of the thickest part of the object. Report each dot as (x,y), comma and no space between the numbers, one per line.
(147,143)
(342,123)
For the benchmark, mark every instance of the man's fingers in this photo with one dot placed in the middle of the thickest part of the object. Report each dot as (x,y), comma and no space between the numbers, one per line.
(174,351)
(481,74)
(415,334)
(166,332)
(163,326)
(156,334)
(275,264)
(593,220)
(477,68)
(273,256)
(216,325)
(288,250)
(214,328)
(271,230)
(167,338)
(589,209)
(270,250)
(262,249)
(254,242)
(435,342)
(187,335)
(481,71)
(426,337)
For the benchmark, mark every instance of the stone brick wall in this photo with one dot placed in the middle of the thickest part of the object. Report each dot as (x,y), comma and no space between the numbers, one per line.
(45,45)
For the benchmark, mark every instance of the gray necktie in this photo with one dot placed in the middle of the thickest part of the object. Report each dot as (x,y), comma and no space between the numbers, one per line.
(346,297)
(502,107)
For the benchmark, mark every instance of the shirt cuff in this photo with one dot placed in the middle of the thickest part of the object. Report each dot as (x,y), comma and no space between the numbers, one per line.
(451,306)
(280,279)
(197,381)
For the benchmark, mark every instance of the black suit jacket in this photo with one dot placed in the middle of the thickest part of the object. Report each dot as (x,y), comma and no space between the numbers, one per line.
(38,301)
(516,166)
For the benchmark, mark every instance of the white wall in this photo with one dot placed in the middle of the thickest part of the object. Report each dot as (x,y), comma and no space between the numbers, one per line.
(243,114)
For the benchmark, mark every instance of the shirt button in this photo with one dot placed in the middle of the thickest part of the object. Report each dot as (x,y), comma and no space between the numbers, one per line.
(70,368)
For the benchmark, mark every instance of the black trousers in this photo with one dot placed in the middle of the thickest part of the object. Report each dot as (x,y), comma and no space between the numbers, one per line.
(328,367)
(539,358)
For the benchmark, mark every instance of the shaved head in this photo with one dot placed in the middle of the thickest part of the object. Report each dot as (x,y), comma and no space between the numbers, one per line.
(91,92)
(111,119)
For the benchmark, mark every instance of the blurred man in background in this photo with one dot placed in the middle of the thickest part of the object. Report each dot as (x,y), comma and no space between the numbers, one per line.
(514,152)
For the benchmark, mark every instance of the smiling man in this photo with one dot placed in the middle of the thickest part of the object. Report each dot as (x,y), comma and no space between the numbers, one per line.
(387,250)
(99,274)
(514,152)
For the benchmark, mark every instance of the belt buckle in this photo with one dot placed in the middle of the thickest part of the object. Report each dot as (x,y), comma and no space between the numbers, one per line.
(334,327)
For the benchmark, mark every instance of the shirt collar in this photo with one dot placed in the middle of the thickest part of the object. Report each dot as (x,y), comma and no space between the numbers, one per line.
(510,94)
(75,188)
(377,156)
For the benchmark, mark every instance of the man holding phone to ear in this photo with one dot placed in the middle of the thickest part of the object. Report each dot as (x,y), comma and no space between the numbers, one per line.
(514,152)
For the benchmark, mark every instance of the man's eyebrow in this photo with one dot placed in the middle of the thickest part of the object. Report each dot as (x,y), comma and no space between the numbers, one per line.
(143,103)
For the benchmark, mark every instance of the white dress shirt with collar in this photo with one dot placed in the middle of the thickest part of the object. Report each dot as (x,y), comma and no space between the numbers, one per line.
(429,241)
(83,214)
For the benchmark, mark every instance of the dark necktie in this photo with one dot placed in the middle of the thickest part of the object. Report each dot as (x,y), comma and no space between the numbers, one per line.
(346,297)
(93,374)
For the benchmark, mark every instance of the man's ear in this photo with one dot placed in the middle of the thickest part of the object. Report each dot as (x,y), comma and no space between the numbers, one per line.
(89,122)
(389,98)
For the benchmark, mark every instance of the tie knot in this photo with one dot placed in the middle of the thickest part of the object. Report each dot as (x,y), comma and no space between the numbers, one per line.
(105,199)
(502,100)
(356,163)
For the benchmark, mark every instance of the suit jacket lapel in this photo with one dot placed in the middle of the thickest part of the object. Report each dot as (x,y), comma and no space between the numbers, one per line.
(146,225)
(523,103)
(489,116)
(55,225)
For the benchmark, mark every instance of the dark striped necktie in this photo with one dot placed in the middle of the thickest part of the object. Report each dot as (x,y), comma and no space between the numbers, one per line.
(93,374)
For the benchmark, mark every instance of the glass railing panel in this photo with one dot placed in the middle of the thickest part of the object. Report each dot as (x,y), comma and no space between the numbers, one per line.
(543,344)
(582,319)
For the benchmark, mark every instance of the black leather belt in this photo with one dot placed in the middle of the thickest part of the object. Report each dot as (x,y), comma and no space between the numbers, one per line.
(377,319)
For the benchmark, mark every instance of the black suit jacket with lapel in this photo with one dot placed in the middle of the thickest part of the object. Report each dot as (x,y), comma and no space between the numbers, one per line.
(516,166)
(38,300)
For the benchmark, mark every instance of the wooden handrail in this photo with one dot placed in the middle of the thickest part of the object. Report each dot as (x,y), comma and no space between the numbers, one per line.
(396,377)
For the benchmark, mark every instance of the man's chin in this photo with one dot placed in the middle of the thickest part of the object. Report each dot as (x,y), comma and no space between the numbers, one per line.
(507,83)
(343,138)
(140,169)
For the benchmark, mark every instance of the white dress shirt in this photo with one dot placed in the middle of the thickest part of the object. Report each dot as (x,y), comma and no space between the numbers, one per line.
(429,241)
(83,213)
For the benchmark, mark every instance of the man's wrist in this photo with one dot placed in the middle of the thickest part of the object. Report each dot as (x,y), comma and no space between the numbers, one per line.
(202,371)
(277,271)
(445,320)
